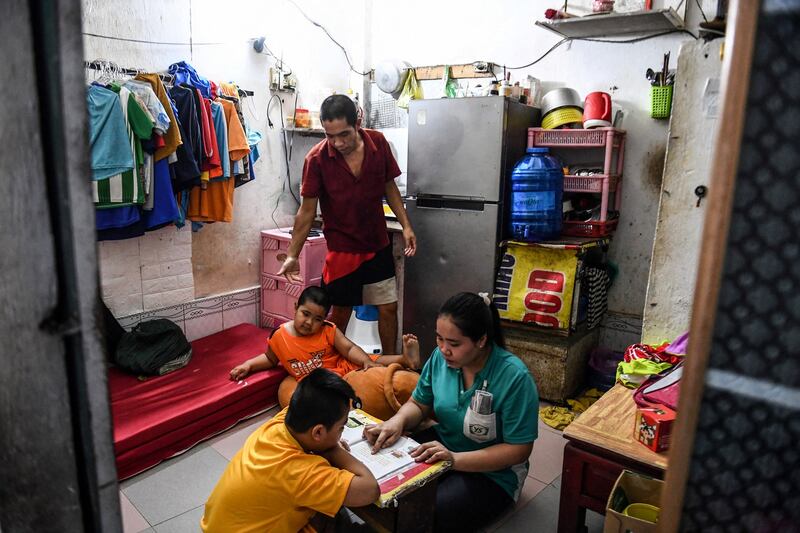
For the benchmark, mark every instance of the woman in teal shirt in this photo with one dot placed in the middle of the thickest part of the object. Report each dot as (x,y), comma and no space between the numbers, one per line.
(486,405)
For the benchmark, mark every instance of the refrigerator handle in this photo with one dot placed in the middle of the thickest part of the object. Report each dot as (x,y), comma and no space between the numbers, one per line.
(460,204)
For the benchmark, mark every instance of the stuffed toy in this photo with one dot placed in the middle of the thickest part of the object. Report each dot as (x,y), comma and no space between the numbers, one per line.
(382,389)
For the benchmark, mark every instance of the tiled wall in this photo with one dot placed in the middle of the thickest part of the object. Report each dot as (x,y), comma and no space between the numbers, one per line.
(148,273)
(205,316)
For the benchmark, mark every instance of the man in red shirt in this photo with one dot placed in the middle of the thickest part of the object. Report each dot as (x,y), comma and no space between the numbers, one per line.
(349,173)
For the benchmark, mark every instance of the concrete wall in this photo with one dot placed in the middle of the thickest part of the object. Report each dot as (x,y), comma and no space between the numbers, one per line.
(677,243)
(224,257)
(425,33)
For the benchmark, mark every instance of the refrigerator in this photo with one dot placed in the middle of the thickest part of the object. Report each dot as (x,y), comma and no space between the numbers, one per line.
(460,153)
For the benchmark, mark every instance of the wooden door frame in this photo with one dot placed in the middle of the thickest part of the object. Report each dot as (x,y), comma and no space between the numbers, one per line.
(738,55)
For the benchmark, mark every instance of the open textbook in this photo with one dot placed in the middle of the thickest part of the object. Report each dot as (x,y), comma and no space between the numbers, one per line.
(393,467)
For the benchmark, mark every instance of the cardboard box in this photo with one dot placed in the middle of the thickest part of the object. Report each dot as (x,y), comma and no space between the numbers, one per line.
(653,426)
(631,488)
(557,364)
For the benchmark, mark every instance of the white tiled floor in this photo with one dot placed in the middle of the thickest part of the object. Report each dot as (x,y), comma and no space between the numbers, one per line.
(169,498)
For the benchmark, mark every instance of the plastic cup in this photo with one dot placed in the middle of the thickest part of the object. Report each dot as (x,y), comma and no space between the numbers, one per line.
(642,511)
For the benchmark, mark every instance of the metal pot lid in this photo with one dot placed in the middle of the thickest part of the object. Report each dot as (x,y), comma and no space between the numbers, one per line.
(561,97)
(391,75)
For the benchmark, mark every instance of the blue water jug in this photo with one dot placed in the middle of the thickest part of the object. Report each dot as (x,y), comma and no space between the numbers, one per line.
(537,186)
(367,313)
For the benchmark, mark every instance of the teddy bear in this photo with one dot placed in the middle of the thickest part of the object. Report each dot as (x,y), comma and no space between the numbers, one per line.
(381,389)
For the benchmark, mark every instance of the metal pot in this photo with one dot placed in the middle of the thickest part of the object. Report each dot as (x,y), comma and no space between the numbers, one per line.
(562,97)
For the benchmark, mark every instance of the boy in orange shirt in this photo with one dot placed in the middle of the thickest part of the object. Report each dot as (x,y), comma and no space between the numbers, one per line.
(293,466)
(309,341)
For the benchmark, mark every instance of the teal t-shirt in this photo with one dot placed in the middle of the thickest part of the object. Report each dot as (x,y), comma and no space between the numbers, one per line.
(515,404)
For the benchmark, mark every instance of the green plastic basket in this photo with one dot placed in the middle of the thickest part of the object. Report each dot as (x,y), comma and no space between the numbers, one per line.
(660,101)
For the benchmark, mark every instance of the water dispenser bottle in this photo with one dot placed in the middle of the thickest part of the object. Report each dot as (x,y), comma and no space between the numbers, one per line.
(537,186)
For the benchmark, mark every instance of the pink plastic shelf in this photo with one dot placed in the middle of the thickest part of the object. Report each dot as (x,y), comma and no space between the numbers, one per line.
(268,320)
(274,244)
(595,138)
(589,183)
(279,297)
(589,229)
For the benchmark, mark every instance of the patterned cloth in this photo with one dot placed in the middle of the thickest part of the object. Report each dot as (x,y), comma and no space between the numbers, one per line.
(598,282)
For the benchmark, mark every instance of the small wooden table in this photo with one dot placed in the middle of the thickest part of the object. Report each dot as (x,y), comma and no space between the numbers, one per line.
(600,446)
(413,513)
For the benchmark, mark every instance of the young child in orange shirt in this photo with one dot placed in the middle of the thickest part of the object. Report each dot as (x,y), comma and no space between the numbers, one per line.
(309,342)
(293,466)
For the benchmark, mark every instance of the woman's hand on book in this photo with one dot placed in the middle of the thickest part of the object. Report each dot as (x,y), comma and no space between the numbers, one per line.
(431,452)
(383,434)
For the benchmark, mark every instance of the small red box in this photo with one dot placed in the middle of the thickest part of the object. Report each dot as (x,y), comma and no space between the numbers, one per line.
(654,426)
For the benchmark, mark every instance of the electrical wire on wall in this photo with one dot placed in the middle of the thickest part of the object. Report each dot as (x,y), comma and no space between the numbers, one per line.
(593,40)
(260,46)
(320,26)
(286,154)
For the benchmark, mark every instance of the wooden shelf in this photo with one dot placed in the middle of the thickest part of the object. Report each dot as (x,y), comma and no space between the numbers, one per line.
(307,132)
(466,70)
(612,24)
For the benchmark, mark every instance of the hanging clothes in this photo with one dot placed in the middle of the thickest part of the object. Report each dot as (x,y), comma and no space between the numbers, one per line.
(116,217)
(185,74)
(190,155)
(254,139)
(172,138)
(108,136)
(165,208)
(243,176)
(205,133)
(213,163)
(221,128)
(215,204)
(228,89)
(182,150)
(146,94)
(238,147)
(128,187)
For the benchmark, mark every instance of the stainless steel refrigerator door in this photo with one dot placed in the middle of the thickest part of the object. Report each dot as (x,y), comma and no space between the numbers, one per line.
(457,251)
(455,147)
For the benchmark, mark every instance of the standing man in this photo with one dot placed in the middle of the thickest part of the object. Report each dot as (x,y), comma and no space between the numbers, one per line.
(349,173)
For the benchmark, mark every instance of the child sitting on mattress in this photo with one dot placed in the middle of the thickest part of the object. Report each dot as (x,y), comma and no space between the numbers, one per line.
(309,342)
(293,466)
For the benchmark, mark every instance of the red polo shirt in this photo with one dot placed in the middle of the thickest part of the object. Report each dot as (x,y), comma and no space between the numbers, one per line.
(352,208)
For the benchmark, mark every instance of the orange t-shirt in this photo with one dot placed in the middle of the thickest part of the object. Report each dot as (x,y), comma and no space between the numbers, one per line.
(172,137)
(237,138)
(301,355)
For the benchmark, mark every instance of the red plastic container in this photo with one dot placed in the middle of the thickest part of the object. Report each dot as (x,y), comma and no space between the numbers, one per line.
(589,229)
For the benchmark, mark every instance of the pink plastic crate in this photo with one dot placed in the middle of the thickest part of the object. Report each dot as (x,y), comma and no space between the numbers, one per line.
(271,321)
(279,297)
(274,244)
(589,183)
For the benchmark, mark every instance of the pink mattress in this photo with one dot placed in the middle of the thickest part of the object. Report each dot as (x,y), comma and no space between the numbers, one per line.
(166,415)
